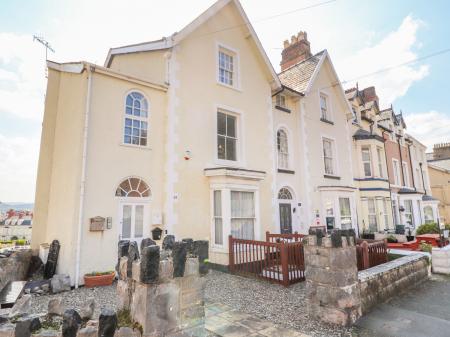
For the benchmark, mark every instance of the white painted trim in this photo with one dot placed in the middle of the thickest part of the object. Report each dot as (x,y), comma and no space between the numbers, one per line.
(307,181)
(79,67)
(83,179)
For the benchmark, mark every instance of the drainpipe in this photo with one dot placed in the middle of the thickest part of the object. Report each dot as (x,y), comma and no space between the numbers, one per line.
(90,70)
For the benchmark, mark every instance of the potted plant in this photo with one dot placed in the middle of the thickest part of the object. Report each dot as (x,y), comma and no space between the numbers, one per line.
(99,279)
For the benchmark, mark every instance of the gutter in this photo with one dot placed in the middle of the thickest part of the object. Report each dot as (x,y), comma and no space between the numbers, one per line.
(90,70)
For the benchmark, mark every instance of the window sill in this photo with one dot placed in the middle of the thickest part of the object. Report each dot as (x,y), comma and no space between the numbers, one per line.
(326,121)
(286,171)
(328,176)
(148,148)
(238,89)
(283,109)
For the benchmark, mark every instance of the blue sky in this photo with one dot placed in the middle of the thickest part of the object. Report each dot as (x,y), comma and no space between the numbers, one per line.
(362,37)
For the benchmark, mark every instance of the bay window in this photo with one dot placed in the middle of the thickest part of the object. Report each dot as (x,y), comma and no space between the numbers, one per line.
(380,158)
(346,213)
(372,208)
(233,213)
(242,215)
(409,216)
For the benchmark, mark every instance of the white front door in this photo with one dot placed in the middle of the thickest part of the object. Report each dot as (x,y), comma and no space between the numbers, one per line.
(133,221)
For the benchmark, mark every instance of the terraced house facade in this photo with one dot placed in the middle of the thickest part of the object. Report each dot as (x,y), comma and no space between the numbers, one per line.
(201,147)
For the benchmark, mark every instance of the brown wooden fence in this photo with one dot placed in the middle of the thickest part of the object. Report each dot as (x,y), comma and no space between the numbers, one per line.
(370,253)
(281,262)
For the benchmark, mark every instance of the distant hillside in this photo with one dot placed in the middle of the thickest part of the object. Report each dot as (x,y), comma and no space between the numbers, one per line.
(4,206)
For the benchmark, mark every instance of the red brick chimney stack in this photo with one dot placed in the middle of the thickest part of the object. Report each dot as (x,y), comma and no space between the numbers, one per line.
(295,51)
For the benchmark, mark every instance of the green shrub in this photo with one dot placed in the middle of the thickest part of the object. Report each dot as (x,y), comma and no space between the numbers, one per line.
(426,247)
(20,242)
(391,239)
(428,228)
(14,237)
(447,226)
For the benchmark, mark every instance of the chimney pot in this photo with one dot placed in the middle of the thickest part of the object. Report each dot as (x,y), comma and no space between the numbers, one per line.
(296,51)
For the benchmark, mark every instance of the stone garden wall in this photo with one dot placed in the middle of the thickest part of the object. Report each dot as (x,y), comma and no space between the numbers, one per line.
(160,292)
(384,281)
(337,293)
(14,266)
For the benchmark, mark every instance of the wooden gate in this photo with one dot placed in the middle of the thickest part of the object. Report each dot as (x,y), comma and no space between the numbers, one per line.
(281,262)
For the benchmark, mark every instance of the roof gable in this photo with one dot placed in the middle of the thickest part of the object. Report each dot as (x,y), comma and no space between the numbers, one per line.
(176,38)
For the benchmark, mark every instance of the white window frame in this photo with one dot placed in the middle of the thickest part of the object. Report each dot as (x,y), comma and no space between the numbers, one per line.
(396,172)
(405,174)
(334,157)
(220,47)
(340,211)
(381,161)
(240,143)
(364,162)
(132,117)
(280,100)
(411,212)
(329,113)
(226,190)
(374,214)
(288,144)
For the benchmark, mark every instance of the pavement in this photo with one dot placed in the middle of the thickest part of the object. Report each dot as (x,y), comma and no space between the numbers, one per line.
(417,312)
(224,321)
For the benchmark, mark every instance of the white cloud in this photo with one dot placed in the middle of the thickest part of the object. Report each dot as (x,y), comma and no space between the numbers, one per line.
(18,168)
(22,80)
(430,127)
(394,49)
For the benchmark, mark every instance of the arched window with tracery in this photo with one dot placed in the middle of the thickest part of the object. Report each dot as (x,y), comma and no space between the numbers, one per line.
(136,119)
(284,194)
(283,150)
(134,188)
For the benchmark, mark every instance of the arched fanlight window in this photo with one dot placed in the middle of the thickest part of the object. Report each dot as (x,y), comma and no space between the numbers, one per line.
(136,123)
(282,146)
(284,194)
(133,187)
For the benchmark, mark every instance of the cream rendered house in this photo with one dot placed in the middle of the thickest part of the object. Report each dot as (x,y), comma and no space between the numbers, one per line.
(195,134)
(311,123)
(369,164)
(176,133)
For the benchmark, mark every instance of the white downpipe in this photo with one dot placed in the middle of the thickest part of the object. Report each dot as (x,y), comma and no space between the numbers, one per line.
(83,177)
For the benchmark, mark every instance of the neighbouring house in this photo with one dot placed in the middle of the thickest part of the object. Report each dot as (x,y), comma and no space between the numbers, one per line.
(408,176)
(314,181)
(429,211)
(440,185)
(369,162)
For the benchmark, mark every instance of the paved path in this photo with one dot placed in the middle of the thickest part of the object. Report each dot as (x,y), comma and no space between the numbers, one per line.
(227,322)
(423,311)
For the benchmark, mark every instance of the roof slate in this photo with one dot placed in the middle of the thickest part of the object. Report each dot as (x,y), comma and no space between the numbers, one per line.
(299,75)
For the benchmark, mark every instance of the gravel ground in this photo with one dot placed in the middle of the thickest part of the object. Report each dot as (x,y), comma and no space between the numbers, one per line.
(105,297)
(280,305)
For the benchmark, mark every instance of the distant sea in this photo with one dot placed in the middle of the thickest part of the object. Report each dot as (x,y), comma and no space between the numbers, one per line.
(5,206)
